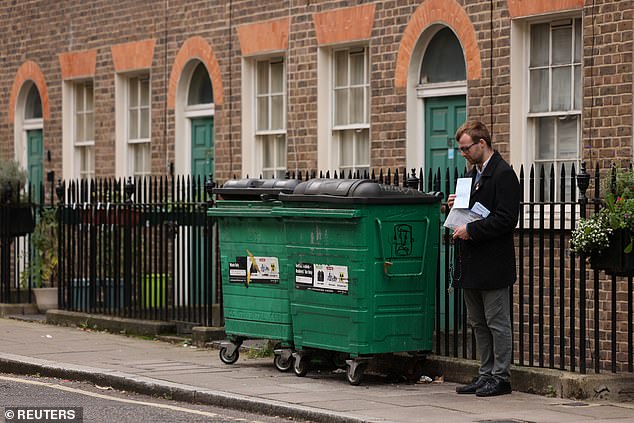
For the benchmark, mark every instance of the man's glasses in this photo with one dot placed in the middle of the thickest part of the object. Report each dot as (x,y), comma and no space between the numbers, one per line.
(467,148)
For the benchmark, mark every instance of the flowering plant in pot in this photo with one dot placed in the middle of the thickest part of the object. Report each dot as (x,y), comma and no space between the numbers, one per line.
(41,269)
(607,237)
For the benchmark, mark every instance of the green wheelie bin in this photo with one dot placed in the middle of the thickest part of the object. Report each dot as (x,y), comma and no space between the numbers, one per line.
(363,260)
(255,283)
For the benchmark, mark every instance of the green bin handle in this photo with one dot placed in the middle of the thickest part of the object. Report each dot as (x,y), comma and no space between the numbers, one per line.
(325,213)
(387,264)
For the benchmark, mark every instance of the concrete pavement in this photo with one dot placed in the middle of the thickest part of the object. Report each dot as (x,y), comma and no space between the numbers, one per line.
(188,373)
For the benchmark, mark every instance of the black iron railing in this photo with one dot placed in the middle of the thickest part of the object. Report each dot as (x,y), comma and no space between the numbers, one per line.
(19,210)
(139,248)
(146,249)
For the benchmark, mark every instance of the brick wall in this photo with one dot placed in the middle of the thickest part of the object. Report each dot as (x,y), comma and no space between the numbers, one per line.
(607,92)
(38,32)
(302,88)
(35,31)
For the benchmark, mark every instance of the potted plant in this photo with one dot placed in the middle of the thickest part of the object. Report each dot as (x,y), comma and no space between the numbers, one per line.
(41,269)
(16,214)
(607,237)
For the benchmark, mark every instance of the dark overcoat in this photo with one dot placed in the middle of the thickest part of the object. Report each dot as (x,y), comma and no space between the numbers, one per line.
(487,259)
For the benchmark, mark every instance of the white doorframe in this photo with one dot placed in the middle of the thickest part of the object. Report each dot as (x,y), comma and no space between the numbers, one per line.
(182,120)
(416,95)
(21,126)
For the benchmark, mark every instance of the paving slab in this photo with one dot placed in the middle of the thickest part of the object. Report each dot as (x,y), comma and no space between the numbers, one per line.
(188,373)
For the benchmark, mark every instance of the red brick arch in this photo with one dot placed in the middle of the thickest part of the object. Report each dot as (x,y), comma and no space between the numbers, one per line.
(447,12)
(29,71)
(195,48)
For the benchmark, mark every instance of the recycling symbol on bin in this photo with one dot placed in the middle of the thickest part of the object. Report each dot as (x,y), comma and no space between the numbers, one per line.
(403,241)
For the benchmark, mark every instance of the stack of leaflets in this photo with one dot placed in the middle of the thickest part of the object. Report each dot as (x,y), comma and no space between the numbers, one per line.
(460,213)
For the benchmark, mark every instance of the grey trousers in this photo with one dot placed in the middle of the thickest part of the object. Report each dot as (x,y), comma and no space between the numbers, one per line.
(489,315)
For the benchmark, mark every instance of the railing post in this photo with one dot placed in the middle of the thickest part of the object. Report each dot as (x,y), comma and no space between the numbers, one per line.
(128,287)
(128,189)
(412,180)
(583,181)
(210,258)
(5,248)
(59,191)
(209,187)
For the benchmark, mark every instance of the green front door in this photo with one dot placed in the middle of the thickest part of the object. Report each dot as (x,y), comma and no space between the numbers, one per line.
(202,147)
(202,165)
(35,154)
(443,116)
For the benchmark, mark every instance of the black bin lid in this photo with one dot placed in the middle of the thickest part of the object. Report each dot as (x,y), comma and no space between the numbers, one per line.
(361,191)
(255,189)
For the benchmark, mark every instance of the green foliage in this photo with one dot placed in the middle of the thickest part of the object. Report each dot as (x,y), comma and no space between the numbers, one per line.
(550,392)
(261,351)
(592,234)
(42,265)
(621,186)
(11,174)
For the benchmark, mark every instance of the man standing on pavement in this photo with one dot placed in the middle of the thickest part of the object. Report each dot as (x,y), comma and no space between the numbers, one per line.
(484,259)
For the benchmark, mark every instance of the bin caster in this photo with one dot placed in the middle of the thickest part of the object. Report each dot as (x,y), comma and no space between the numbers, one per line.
(301,363)
(283,360)
(355,371)
(339,360)
(229,352)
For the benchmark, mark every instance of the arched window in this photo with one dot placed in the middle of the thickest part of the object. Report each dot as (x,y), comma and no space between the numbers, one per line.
(200,91)
(443,60)
(33,109)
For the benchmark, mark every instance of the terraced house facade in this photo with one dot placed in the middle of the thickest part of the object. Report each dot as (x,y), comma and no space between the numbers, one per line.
(244,87)
(249,87)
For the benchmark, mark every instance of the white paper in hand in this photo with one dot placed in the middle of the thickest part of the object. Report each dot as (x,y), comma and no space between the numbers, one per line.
(459,217)
(463,193)
(480,209)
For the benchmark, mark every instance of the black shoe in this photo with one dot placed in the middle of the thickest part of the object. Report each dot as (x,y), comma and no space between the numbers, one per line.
(476,383)
(493,388)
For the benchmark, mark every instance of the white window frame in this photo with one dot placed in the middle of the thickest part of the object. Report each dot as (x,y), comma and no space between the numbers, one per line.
(253,138)
(533,116)
(125,159)
(328,132)
(270,134)
(80,147)
(522,122)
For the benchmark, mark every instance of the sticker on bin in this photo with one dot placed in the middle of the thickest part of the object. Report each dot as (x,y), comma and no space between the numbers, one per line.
(322,278)
(253,269)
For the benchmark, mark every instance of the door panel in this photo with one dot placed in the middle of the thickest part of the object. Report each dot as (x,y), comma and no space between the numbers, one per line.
(443,117)
(35,155)
(202,165)
(202,147)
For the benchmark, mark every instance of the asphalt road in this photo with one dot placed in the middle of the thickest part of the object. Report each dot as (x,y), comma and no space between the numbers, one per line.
(104,404)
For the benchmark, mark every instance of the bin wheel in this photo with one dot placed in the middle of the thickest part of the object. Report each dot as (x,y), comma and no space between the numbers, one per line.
(355,374)
(339,360)
(281,364)
(229,358)
(301,367)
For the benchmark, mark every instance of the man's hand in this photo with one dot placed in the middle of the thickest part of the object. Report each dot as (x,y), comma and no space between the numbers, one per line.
(450,200)
(461,233)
